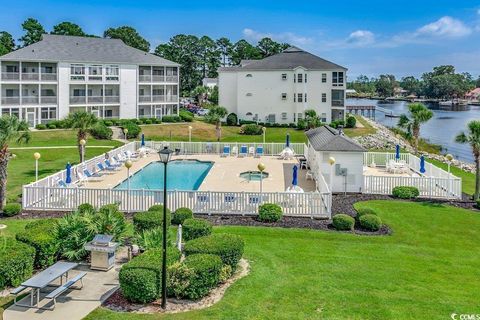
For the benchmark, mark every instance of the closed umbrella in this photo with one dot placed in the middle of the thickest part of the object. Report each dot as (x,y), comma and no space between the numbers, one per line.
(295,175)
(422,164)
(143,140)
(397,152)
(288,140)
(68,179)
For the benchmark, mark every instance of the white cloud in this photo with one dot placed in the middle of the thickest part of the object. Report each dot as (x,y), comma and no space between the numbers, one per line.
(444,27)
(361,38)
(288,37)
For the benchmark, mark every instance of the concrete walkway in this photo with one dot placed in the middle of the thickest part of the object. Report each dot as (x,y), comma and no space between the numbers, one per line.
(73,304)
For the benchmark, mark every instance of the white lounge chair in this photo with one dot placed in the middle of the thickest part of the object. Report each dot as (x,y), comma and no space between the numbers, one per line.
(251,151)
(234,151)
(243,151)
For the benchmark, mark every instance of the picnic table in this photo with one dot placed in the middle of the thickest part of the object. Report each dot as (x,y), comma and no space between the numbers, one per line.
(46,277)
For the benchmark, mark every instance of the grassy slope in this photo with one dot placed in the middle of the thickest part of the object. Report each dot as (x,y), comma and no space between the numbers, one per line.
(468,179)
(427,269)
(367,129)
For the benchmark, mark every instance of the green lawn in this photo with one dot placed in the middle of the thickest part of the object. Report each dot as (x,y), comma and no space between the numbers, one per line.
(356,132)
(427,269)
(21,170)
(468,179)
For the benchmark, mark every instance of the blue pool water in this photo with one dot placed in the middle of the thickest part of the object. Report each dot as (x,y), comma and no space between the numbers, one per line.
(181,175)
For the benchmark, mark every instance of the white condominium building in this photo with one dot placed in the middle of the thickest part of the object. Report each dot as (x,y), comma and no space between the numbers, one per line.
(279,88)
(61,74)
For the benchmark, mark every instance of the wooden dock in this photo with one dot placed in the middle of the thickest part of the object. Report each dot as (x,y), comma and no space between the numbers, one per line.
(365,111)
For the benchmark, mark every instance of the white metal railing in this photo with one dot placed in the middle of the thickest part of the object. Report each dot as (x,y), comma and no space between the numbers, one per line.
(145,78)
(144,98)
(158,98)
(48,99)
(49,76)
(30,99)
(10,75)
(11,100)
(95,99)
(112,99)
(171,79)
(30,76)
(433,183)
(78,99)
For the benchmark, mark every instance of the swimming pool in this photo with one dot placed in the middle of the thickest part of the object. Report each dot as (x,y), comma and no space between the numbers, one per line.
(181,175)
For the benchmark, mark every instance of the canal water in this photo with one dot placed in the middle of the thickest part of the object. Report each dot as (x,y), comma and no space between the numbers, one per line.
(447,122)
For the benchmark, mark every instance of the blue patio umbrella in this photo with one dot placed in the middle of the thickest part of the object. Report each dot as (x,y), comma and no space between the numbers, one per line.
(143,140)
(422,164)
(288,140)
(68,179)
(397,152)
(295,175)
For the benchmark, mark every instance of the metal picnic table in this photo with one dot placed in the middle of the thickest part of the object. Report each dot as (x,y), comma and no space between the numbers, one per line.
(46,277)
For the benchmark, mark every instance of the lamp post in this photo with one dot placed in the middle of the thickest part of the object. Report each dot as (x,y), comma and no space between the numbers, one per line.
(261,167)
(331,161)
(125,131)
(449,158)
(82,151)
(36,155)
(190,133)
(165,155)
(128,165)
(264,129)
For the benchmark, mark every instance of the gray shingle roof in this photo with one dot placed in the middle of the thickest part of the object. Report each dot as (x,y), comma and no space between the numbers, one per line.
(289,59)
(328,139)
(55,48)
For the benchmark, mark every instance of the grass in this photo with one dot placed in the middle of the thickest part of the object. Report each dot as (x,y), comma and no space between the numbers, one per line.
(21,169)
(427,269)
(468,179)
(356,132)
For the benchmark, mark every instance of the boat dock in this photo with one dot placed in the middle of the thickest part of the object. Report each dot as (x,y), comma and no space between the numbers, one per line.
(369,111)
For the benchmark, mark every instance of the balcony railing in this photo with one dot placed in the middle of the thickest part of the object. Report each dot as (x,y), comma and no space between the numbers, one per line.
(112,99)
(10,75)
(10,100)
(95,99)
(30,76)
(77,99)
(144,98)
(338,103)
(49,76)
(30,99)
(173,98)
(158,78)
(48,99)
(145,78)
(158,98)
(171,79)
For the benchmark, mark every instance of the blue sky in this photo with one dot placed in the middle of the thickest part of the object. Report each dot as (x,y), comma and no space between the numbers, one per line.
(368,37)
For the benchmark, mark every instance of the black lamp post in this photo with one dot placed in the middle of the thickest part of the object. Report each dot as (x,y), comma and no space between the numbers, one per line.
(165,156)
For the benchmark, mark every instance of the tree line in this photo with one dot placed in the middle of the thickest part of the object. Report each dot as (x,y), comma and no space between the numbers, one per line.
(443,82)
(199,57)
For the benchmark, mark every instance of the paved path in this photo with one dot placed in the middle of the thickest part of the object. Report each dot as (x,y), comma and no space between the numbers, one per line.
(73,304)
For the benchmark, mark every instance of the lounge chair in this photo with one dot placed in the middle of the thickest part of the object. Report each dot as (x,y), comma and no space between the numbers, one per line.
(115,162)
(202,204)
(226,151)
(251,151)
(209,147)
(110,166)
(243,151)
(131,156)
(84,178)
(259,152)
(101,168)
(234,151)
(229,202)
(92,176)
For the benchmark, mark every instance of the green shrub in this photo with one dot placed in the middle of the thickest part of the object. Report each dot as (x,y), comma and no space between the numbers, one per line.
(152,238)
(133,129)
(232,119)
(251,129)
(108,123)
(171,119)
(51,126)
(478,204)
(101,131)
(16,263)
(156,207)
(301,124)
(196,228)
(149,220)
(109,220)
(40,126)
(225,273)
(85,207)
(186,116)
(351,122)
(148,121)
(206,274)
(370,222)
(179,277)
(269,212)
(73,231)
(364,211)
(58,123)
(343,222)
(228,246)
(181,214)
(140,279)
(405,192)
(12,209)
(39,235)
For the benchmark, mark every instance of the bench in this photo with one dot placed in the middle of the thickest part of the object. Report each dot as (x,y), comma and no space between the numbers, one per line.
(16,291)
(57,292)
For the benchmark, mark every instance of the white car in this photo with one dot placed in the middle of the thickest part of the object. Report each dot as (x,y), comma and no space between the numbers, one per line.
(202,112)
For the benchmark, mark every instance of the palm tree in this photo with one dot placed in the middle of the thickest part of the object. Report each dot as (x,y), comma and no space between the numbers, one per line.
(10,128)
(472,137)
(419,114)
(215,115)
(83,121)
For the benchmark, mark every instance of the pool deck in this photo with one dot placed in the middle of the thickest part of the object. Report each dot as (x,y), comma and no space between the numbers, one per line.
(225,173)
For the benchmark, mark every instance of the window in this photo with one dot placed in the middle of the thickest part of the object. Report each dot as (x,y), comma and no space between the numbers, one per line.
(305,97)
(249,75)
(299,97)
(249,94)
(48,113)
(12,69)
(337,78)
(338,98)
(323,117)
(95,70)
(294,77)
(284,96)
(324,97)
(300,116)
(12,92)
(271,118)
(112,72)
(77,72)
(305,78)
(324,77)
(79,92)
(284,76)
(284,116)
(108,113)
(294,97)
(48,93)
(300,78)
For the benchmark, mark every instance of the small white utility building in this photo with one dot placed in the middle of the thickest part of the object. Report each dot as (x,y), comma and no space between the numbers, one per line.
(337,157)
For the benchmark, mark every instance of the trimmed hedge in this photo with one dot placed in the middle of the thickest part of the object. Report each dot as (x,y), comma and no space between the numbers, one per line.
(181,214)
(85,207)
(41,126)
(101,131)
(232,119)
(364,211)
(150,219)
(251,129)
(195,228)
(206,274)
(370,222)
(405,192)
(228,246)
(171,119)
(133,129)
(343,222)
(12,209)
(40,235)
(351,122)
(140,279)
(16,263)
(269,212)
(186,116)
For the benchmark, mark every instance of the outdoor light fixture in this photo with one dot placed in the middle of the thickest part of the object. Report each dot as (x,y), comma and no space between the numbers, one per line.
(128,165)
(36,155)
(261,167)
(190,133)
(165,155)
(125,131)
(331,161)
(82,147)
(264,130)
